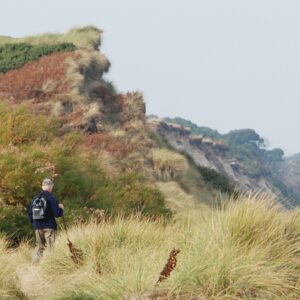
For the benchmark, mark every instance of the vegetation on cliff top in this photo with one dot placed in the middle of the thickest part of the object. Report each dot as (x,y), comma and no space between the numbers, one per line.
(83,38)
(14,56)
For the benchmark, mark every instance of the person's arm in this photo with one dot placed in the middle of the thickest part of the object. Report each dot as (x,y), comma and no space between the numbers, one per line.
(29,212)
(56,210)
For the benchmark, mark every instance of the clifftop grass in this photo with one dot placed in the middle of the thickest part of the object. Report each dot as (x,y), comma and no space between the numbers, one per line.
(83,38)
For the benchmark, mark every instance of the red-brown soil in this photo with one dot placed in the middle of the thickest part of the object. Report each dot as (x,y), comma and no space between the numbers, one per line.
(27,82)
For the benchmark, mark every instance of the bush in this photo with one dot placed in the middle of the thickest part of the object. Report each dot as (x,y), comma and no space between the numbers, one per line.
(15,224)
(20,126)
(216,180)
(126,194)
(22,171)
(14,56)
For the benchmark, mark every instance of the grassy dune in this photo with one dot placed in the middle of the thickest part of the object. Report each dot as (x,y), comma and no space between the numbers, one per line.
(248,249)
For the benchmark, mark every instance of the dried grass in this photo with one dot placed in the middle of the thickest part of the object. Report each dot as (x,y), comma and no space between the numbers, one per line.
(9,283)
(134,108)
(83,37)
(249,248)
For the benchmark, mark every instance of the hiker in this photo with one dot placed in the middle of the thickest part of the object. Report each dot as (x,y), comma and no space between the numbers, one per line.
(42,213)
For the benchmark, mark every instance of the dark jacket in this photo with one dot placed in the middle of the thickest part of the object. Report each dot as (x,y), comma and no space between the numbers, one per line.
(52,212)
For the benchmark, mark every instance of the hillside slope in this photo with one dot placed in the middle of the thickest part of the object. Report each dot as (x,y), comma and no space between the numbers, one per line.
(62,119)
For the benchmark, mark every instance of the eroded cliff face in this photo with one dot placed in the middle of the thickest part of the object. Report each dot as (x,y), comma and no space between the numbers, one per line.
(210,153)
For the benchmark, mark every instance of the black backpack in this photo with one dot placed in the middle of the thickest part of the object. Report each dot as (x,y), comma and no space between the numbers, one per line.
(39,207)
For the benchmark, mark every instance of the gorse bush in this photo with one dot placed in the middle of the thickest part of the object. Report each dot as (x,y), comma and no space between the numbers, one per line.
(20,126)
(22,171)
(14,56)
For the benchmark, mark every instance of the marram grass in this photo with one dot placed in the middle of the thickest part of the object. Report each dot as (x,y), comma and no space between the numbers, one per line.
(248,249)
(87,37)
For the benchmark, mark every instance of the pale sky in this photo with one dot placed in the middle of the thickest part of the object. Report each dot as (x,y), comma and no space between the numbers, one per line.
(224,64)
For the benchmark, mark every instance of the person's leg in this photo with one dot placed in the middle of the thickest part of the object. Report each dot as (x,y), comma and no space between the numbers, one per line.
(50,235)
(40,245)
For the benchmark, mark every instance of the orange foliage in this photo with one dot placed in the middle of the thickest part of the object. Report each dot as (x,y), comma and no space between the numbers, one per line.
(27,82)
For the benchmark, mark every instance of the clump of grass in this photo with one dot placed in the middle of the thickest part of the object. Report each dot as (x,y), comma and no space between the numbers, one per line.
(243,250)
(83,72)
(168,165)
(134,108)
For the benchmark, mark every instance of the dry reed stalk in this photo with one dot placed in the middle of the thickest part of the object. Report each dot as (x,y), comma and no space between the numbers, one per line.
(169,267)
(77,254)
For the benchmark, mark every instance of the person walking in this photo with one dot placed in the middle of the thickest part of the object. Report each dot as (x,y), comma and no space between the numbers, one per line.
(43,210)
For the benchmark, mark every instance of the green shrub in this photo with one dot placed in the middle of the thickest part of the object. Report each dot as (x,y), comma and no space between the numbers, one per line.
(216,180)
(14,56)
(15,224)
(126,194)
(20,126)
(22,171)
